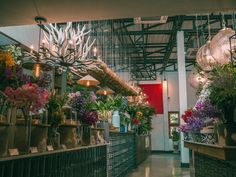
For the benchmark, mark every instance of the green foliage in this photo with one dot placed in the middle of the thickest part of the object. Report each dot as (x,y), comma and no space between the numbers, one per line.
(103,105)
(175,135)
(55,105)
(223,90)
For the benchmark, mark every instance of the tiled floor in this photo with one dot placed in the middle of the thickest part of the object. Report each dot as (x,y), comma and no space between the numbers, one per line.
(162,165)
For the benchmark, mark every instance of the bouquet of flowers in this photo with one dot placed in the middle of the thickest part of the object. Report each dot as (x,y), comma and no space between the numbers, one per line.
(29,96)
(90,117)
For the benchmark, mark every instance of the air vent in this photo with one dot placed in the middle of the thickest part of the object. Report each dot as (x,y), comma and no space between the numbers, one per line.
(150,20)
(191,53)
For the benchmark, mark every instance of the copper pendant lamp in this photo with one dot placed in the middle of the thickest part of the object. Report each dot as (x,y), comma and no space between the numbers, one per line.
(105,91)
(88,81)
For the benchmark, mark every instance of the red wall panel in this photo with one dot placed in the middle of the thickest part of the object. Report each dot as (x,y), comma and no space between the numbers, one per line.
(154,93)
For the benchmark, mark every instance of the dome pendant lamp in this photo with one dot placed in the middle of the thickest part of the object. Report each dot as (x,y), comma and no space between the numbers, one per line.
(88,81)
(105,91)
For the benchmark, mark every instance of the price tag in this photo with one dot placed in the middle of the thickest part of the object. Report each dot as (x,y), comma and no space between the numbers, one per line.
(50,148)
(33,150)
(63,146)
(13,152)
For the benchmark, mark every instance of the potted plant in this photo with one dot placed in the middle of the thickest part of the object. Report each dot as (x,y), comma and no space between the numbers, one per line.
(223,96)
(175,136)
(104,109)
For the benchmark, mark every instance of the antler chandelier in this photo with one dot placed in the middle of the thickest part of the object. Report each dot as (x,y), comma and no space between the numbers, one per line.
(65,48)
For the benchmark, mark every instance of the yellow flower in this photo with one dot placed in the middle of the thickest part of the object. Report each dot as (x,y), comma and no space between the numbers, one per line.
(139,114)
(7,58)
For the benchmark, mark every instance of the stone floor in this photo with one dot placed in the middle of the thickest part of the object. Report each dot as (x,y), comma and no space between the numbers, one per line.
(162,165)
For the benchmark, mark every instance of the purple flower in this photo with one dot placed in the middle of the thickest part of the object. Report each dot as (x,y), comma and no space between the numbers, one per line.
(195,124)
(90,117)
(184,128)
(204,109)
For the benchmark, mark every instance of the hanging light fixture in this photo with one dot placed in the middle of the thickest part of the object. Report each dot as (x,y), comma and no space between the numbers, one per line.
(105,91)
(197,79)
(232,41)
(220,45)
(204,57)
(88,81)
(35,64)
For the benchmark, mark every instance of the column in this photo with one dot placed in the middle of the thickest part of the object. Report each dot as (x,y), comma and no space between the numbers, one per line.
(182,92)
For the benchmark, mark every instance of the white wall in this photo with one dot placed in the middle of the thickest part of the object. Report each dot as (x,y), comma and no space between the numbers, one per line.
(160,133)
(27,34)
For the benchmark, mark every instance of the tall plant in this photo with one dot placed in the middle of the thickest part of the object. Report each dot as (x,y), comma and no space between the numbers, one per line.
(223,90)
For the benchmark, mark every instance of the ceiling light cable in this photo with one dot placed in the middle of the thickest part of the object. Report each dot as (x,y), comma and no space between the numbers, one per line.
(196,24)
(209,27)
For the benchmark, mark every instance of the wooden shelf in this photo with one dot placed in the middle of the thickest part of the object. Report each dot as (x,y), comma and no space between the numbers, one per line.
(220,152)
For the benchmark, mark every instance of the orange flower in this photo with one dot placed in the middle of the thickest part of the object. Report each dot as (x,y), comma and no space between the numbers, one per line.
(7,58)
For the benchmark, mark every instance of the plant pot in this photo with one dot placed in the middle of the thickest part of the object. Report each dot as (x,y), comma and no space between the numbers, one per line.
(226,134)
(86,134)
(39,135)
(68,135)
(6,138)
(105,126)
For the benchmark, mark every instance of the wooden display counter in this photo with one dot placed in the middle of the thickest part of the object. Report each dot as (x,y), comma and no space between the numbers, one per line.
(213,160)
(80,161)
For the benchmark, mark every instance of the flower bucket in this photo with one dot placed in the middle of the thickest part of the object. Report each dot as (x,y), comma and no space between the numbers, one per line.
(105,126)
(68,135)
(86,134)
(21,138)
(6,138)
(39,135)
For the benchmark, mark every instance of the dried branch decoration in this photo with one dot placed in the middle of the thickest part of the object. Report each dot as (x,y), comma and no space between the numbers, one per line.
(67,47)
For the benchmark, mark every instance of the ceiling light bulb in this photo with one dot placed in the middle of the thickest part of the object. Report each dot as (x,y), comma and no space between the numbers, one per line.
(88,83)
(37,70)
(70,42)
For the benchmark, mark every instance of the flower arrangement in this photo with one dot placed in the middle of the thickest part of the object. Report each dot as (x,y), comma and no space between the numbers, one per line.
(192,123)
(82,101)
(29,96)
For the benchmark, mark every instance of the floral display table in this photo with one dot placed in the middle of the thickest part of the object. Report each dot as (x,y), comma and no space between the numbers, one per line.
(213,160)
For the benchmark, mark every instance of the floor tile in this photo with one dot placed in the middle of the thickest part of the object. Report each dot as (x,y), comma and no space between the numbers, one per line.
(162,165)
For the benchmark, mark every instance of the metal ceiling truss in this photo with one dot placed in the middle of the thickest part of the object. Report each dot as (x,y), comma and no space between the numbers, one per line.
(139,48)
(146,52)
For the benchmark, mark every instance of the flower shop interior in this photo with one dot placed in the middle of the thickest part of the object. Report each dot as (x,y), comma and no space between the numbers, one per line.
(117,88)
